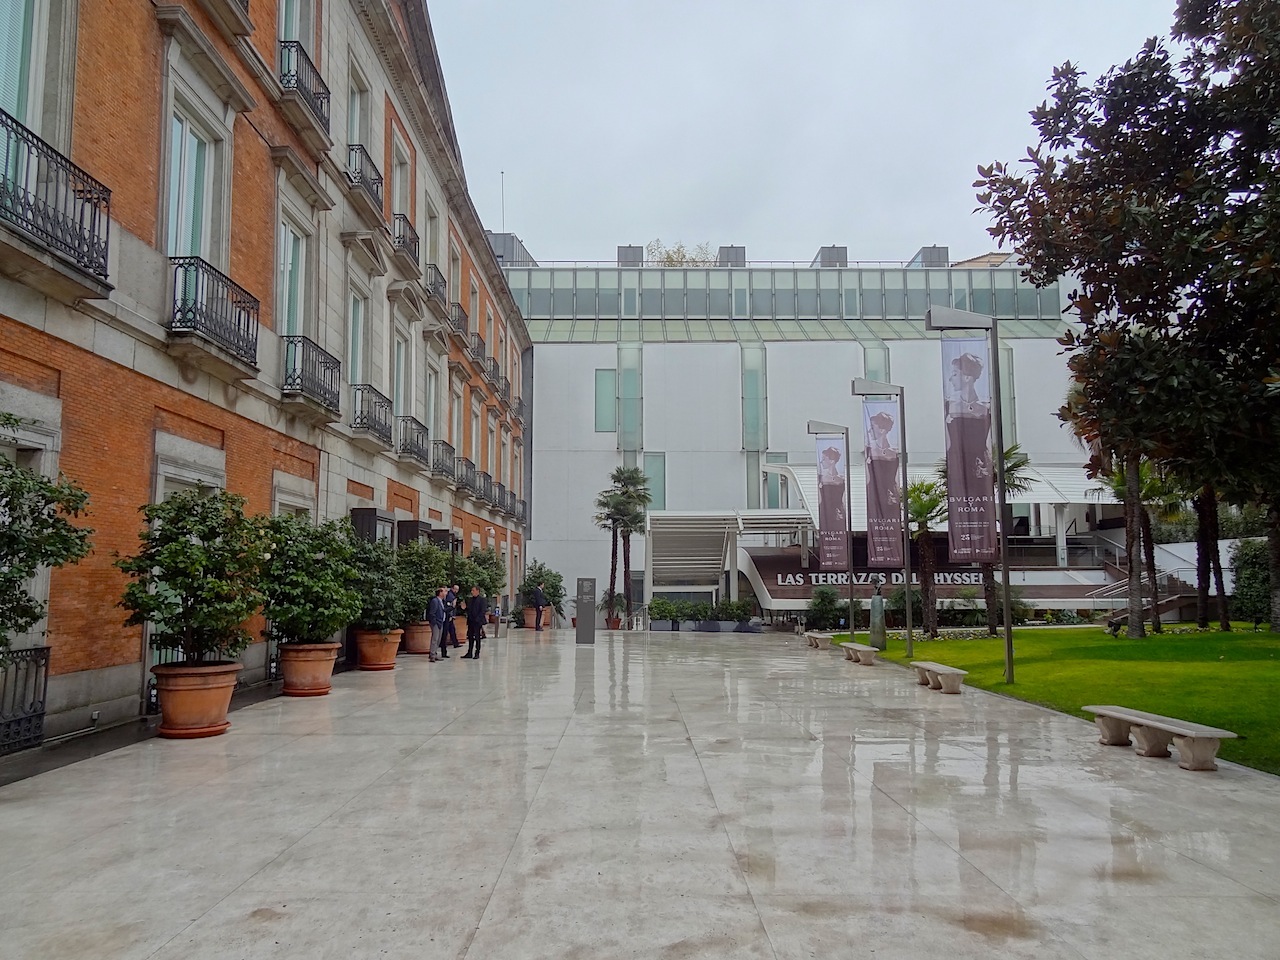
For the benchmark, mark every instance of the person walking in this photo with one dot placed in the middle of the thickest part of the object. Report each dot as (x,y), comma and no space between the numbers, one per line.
(539,603)
(477,617)
(436,616)
(450,635)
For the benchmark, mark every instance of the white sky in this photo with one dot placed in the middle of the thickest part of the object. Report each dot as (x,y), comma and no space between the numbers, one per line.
(781,126)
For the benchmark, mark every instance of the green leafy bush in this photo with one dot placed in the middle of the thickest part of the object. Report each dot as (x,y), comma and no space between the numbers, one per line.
(309,579)
(381,589)
(1251,599)
(660,608)
(422,567)
(197,575)
(825,610)
(552,585)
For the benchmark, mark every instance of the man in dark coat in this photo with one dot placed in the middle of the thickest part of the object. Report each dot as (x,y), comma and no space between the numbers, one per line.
(539,603)
(450,636)
(477,617)
(436,616)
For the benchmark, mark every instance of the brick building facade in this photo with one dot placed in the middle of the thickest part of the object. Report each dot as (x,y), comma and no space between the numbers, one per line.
(237,250)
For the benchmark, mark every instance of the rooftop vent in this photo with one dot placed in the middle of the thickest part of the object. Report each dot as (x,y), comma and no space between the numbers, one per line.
(732,257)
(831,257)
(934,256)
(631,256)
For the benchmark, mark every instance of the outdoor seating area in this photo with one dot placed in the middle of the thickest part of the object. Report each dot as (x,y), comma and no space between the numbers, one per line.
(938,676)
(860,653)
(1196,743)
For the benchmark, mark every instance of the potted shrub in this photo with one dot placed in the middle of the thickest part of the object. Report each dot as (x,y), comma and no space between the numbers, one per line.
(194,582)
(466,574)
(613,606)
(35,532)
(377,624)
(491,576)
(552,586)
(700,615)
(686,615)
(725,616)
(663,614)
(421,568)
(309,595)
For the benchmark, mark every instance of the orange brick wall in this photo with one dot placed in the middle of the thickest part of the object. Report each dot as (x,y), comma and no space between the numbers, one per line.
(109,419)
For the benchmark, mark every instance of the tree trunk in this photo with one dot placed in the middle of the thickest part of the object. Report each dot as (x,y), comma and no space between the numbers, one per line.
(613,569)
(927,589)
(1273,558)
(1132,542)
(1201,505)
(1149,553)
(992,597)
(1215,563)
(626,573)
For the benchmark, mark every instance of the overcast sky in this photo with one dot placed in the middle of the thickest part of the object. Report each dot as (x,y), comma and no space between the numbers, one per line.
(781,125)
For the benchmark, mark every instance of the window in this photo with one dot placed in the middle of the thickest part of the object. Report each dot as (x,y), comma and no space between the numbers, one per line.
(357,110)
(655,469)
(433,234)
(399,377)
(504,463)
(475,432)
(291,280)
(606,401)
(401,185)
(431,389)
(474,311)
(491,461)
(17,23)
(191,157)
(295,21)
(875,360)
(455,429)
(490,331)
(358,310)
(1008,398)
(775,485)
(455,275)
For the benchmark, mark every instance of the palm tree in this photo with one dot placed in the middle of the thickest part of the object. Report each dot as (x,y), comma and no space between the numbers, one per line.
(1158,495)
(611,509)
(631,487)
(1208,557)
(926,508)
(1017,479)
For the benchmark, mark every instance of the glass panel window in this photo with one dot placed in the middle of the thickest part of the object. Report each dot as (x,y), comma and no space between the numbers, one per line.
(1005,281)
(357,112)
(293,246)
(650,294)
(606,401)
(740,294)
(773,483)
(455,428)
(829,293)
(917,300)
(430,390)
(1008,398)
(872,294)
(718,295)
(761,293)
(673,293)
(1028,300)
(655,470)
(1050,302)
(939,288)
(190,189)
(981,297)
(895,297)
(399,381)
(562,293)
(16,18)
(608,293)
(630,397)
(695,293)
(585,295)
(960,289)
(291,19)
(355,338)
(755,420)
(806,293)
(539,293)
(784,293)
(875,362)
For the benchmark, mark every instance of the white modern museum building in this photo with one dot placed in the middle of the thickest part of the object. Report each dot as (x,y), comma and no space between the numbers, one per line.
(706,377)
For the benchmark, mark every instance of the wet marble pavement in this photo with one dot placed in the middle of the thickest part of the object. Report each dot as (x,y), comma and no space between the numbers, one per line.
(667,795)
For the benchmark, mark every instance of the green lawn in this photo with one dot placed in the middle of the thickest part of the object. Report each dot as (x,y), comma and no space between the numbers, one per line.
(1229,680)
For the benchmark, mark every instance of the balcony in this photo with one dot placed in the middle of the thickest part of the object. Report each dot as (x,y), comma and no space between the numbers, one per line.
(366,185)
(520,409)
(404,245)
(311,382)
(442,460)
(370,419)
(458,321)
(499,496)
(215,321)
(414,448)
(305,98)
(522,512)
(56,218)
(464,471)
(504,390)
(484,487)
(477,350)
(437,291)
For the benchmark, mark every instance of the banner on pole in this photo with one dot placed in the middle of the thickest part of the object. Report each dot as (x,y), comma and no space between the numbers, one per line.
(971,494)
(883,446)
(833,520)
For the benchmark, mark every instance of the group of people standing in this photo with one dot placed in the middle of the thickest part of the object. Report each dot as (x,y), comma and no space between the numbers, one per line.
(444,606)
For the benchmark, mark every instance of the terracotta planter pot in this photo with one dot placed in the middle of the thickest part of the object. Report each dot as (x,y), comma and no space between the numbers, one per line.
(573,621)
(194,698)
(307,668)
(613,623)
(460,629)
(378,649)
(417,638)
(530,613)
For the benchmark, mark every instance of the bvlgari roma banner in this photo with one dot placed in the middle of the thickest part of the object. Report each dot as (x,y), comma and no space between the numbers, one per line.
(833,520)
(971,496)
(883,447)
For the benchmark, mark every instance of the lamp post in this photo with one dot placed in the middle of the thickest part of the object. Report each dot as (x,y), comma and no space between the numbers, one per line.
(876,388)
(948,318)
(817,427)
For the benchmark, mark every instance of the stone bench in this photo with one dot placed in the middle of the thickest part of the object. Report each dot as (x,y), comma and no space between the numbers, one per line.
(815,639)
(938,676)
(1197,744)
(860,653)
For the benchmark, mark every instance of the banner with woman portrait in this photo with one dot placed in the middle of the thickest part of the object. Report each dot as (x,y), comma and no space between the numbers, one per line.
(833,519)
(883,447)
(971,490)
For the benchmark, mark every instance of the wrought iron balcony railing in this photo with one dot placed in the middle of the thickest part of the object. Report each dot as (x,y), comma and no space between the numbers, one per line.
(311,372)
(45,195)
(297,72)
(433,280)
(522,511)
(403,237)
(210,304)
(477,348)
(371,411)
(414,441)
(504,389)
(464,472)
(364,173)
(499,496)
(458,319)
(493,370)
(244,4)
(442,459)
(520,409)
(484,486)
(24,688)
